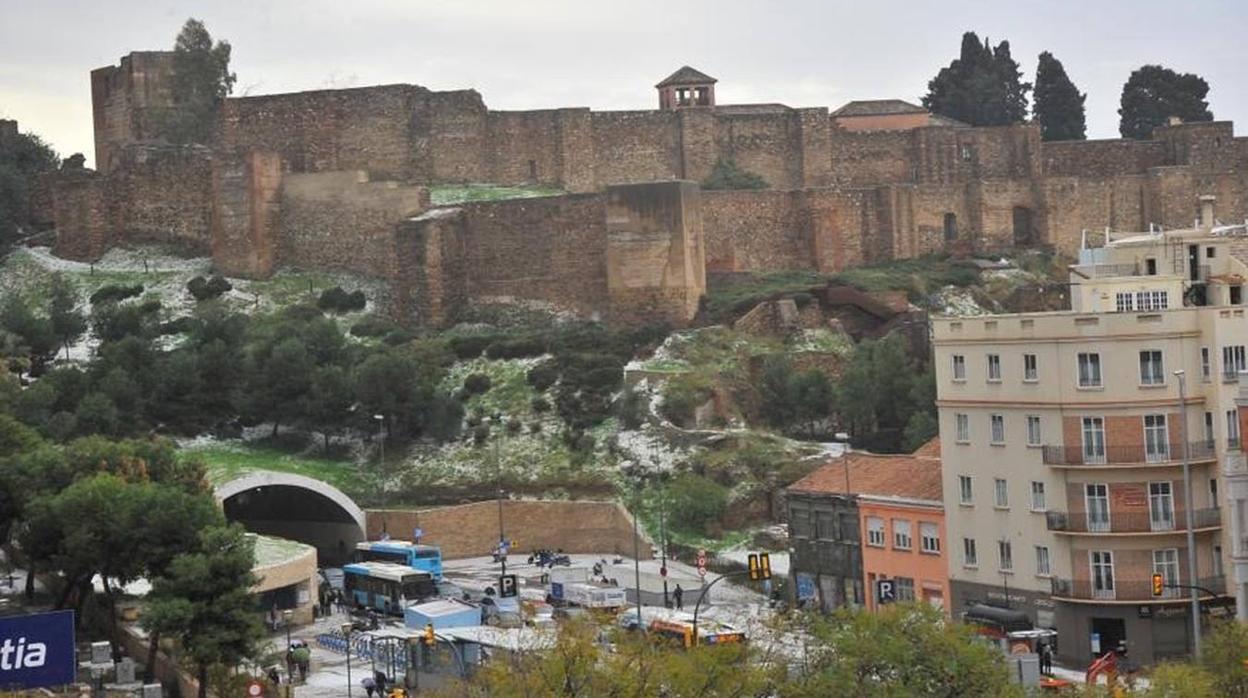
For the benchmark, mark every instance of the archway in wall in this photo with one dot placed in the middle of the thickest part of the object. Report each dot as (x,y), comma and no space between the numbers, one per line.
(296,507)
(1024,230)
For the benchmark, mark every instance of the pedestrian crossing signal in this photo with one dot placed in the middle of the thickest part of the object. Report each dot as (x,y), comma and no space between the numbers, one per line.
(760,566)
(1159,584)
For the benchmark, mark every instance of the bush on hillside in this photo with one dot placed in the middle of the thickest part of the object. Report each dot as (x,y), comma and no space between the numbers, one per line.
(471,346)
(336,300)
(202,289)
(516,348)
(113,293)
(543,375)
(695,501)
(373,326)
(476,384)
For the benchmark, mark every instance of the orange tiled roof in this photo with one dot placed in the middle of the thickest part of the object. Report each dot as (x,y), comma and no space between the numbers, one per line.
(914,476)
(931,449)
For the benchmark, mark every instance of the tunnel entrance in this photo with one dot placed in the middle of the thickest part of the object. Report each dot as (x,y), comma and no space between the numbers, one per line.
(297,508)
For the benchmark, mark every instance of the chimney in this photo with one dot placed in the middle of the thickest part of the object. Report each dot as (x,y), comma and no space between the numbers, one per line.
(1206,212)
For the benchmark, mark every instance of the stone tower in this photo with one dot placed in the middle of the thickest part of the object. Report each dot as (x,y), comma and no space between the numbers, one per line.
(687,87)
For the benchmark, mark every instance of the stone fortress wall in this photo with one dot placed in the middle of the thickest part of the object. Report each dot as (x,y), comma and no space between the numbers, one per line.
(337,179)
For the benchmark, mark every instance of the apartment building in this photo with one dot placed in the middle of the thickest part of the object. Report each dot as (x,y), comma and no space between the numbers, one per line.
(1063,437)
(865,517)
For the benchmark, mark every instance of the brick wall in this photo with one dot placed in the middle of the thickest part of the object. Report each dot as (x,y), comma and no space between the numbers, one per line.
(245,195)
(767,144)
(635,146)
(1102,158)
(83,221)
(162,193)
(343,221)
(471,530)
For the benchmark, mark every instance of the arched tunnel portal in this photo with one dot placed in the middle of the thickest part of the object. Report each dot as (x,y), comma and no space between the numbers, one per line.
(298,508)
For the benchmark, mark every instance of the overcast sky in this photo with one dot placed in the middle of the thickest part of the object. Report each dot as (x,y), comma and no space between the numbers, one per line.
(523,54)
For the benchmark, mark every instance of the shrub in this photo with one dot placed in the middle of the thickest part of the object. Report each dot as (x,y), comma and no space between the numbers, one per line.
(543,375)
(471,346)
(540,404)
(178,326)
(480,433)
(695,501)
(727,175)
(476,384)
(206,289)
(683,395)
(373,326)
(397,337)
(336,300)
(113,293)
(516,348)
(513,426)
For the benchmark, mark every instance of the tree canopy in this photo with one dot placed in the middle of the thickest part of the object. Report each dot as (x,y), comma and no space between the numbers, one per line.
(982,87)
(22,159)
(1153,94)
(1059,104)
(201,79)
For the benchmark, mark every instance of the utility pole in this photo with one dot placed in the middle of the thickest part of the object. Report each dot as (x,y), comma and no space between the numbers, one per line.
(637,557)
(1191,534)
(381,458)
(498,464)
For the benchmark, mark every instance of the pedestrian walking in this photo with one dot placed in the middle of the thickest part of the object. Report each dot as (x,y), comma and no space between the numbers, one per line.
(1046,659)
(303,659)
(370,686)
(679,595)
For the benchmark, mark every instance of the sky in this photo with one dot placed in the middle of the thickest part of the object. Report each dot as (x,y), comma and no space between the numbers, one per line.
(528,54)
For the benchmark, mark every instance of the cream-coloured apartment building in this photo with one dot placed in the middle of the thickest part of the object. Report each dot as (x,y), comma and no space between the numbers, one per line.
(1062,438)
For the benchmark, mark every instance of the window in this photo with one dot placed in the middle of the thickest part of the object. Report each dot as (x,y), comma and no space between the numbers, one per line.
(1096,496)
(1160,506)
(1205,367)
(1030,372)
(875,531)
(905,588)
(966,153)
(1232,361)
(1093,440)
(970,557)
(951,227)
(799,523)
(1005,555)
(1089,370)
(1042,560)
(1037,496)
(994,367)
(1232,429)
(1211,252)
(849,527)
(1209,428)
(1102,564)
(1166,563)
(1033,430)
(1150,267)
(1124,302)
(1152,372)
(901,534)
(1000,493)
(1156,439)
(1236,295)
(998,428)
(965,492)
(825,525)
(1152,300)
(963,428)
(1217,561)
(1213,492)
(959,367)
(929,537)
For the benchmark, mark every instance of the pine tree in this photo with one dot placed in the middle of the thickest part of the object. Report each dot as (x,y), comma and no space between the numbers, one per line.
(982,87)
(1153,94)
(1059,104)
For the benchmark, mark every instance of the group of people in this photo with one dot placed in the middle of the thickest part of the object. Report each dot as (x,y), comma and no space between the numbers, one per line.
(376,685)
(298,659)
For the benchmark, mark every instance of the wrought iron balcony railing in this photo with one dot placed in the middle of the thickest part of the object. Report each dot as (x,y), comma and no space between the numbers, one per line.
(1133,522)
(1162,454)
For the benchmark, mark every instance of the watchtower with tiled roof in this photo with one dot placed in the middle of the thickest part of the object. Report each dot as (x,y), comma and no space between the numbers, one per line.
(687,87)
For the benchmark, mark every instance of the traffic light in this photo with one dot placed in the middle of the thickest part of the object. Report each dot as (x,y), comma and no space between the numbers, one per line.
(1159,585)
(760,567)
(429,638)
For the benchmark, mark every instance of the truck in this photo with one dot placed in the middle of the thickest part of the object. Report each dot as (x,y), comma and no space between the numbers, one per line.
(594,596)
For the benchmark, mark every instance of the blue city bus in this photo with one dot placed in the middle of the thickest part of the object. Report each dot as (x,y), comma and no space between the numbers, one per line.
(425,558)
(385,586)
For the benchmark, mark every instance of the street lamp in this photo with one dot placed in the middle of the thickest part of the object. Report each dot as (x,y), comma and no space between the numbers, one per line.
(346,636)
(1191,535)
(286,621)
(381,438)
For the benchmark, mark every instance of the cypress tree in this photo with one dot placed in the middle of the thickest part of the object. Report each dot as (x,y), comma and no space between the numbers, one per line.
(982,87)
(1059,104)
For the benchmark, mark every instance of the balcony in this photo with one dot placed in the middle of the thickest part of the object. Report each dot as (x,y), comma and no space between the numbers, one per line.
(1131,590)
(1137,454)
(1132,522)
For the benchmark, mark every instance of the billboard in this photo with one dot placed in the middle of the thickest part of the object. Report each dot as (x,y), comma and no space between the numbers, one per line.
(37,650)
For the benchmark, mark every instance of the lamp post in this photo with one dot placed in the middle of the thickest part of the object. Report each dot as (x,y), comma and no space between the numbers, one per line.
(1187,497)
(502,549)
(346,636)
(637,557)
(381,440)
(286,621)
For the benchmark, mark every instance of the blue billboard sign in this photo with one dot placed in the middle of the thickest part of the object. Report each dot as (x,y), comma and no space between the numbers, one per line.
(37,650)
(805,586)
